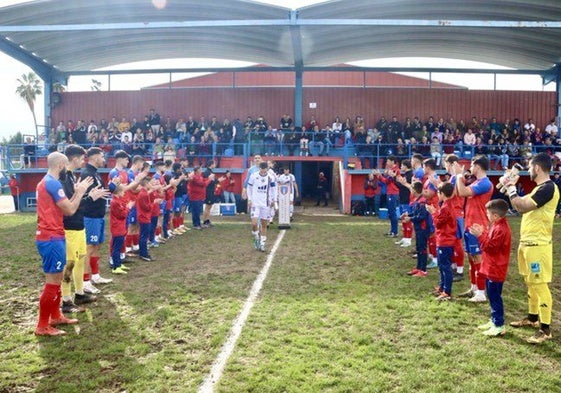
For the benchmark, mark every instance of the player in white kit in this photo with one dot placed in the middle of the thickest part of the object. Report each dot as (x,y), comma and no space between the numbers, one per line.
(261,197)
(287,178)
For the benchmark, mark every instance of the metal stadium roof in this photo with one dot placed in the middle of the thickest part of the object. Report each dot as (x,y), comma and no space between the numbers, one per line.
(60,37)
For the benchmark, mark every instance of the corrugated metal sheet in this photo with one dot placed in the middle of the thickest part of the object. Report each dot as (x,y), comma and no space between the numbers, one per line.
(371,103)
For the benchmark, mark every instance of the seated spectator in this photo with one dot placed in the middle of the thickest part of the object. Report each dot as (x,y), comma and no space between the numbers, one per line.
(126,145)
(436,150)
(449,144)
(502,152)
(304,144)
(169,152)
(106,146)
(424,147)
(270,141)
(158,150)
(138,145)
(292,139)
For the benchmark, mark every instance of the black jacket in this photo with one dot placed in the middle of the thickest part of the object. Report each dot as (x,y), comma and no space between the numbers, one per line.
(93,209)
(74,222)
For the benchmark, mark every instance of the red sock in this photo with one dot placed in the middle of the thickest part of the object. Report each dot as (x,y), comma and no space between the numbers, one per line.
(181,220)
(94,265)
(86,276)
(472,269)
(46,301)
(459,254)
(135,239)
(128,241)
(175,222)
(158,231)
(55,311)
(432,246)
(479,278)
(407,228)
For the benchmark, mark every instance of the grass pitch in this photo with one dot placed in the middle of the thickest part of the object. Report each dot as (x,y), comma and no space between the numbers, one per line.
(336,314)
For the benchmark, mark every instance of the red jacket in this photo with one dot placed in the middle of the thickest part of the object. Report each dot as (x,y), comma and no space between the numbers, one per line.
(371,187)
(155,206)
(143,207)
(228,184)
(118,212)
(495,245)
(390,182)
(170,195)
(445,225)
(13,183)
(196,188)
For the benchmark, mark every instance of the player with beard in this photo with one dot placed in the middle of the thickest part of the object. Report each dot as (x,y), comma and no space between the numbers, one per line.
(535,252)
(52,204)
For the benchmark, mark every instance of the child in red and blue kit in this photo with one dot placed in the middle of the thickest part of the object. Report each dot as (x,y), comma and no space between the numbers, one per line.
(422,223)
(118,213)
(446,227)
(144,210)
(495,244)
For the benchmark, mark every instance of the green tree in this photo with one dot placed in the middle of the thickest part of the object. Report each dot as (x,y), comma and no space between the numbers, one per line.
(29,88)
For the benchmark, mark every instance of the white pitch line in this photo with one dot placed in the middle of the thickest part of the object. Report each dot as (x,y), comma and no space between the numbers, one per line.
(235,331)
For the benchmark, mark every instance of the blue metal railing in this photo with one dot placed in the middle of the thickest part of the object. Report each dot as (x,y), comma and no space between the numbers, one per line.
(280,143)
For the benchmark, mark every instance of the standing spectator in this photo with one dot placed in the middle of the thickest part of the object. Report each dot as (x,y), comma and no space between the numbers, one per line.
(371,190)
(535,252)
(228,185)
(495,244)
(322,187)
(210,188)
(196,189)
(14,190)
(52,204)
(154,121)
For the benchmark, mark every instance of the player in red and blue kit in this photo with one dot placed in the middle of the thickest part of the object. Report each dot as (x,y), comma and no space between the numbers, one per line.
(477,195)
(52,204)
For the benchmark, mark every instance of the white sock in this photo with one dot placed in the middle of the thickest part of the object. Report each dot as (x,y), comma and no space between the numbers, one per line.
(135,247)
(96,276)
(480,292)
(128,249)
(67,298)
(263,239)
(123,256)
(460,269)
(255,234)
(474,288)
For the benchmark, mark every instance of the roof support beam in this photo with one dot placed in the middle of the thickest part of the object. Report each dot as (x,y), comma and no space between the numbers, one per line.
(551,75)
(310,69)
(298,67)
(42,69)
(281,22)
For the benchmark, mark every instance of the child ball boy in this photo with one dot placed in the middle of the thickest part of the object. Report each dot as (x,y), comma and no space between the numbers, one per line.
(144,208)
(495,244)
(118,213)
(446,227)
(420,218)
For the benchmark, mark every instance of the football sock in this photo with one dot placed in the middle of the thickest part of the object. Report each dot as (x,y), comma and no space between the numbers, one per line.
(94,265)
(48,297)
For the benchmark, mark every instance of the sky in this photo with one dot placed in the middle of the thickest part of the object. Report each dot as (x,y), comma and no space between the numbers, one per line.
(16,116)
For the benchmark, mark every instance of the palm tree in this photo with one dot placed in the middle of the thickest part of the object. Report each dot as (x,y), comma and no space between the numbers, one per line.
(29,88)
